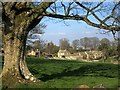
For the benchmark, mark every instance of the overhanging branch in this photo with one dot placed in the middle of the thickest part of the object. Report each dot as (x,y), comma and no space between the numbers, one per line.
(62,16)
(108,27)
(83,18)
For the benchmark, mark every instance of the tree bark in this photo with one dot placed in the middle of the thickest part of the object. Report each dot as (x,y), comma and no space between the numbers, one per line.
(11,69)
(18,18)
(15,68)
(23,66)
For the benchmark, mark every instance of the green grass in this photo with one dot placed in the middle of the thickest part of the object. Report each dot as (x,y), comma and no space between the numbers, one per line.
(74,82)
(71,74)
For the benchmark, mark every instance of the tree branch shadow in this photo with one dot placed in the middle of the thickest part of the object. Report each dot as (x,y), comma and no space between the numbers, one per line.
(77,72)
(89,70)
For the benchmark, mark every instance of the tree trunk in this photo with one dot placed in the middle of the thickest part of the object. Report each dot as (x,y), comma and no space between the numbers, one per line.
(11,69)
(23,66)
(18,19)
(15,68)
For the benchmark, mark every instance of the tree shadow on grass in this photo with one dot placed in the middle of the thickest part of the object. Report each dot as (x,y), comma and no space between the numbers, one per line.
(77,72)
(89,70)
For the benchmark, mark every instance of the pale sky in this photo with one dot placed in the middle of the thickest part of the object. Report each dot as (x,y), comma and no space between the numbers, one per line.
(57,29)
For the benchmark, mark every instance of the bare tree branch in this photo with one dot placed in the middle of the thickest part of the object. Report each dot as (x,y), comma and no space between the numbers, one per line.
(63,16)
(91,10)
(101,26)
(97,5)
(83,18)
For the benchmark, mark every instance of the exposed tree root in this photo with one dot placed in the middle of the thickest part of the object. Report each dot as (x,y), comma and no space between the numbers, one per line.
(27,75)
(20,76)
(9,80)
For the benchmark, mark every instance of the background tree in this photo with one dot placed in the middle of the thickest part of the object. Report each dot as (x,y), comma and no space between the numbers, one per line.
(105,47)
(90,43)
(85,42)
(35,34)
(39,46)
(113,49)
(64,44)
(75,44)
(51,48)
(34,40)
(39,29)
(94,43)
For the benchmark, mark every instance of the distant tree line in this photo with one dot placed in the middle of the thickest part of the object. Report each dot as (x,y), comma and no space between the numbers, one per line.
(34,42)
(109,48)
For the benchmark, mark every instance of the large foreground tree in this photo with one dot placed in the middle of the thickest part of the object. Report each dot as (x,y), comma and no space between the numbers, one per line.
(18,18)
(21,17)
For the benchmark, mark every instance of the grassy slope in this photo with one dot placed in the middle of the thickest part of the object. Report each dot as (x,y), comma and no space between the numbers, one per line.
(71,74)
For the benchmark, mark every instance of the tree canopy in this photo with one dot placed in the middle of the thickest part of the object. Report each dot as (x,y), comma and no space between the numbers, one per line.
(105,14)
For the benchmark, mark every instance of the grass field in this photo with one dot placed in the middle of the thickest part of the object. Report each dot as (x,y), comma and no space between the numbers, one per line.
(71,74)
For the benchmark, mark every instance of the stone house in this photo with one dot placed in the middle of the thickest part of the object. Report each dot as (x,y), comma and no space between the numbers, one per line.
(89,55)
(31,53)
(67,55)
(63,53)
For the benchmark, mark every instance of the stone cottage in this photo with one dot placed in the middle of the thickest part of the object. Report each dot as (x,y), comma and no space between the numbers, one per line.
(88,55)
(63,53)
(67,55)
(31,53)
(91,55)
